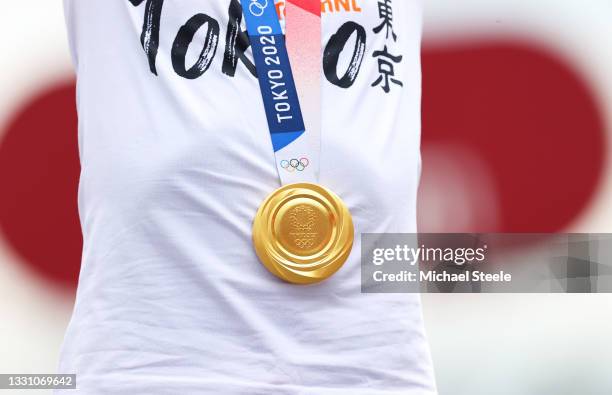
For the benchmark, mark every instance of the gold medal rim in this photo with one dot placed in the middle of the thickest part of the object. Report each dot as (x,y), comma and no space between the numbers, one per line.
(294,268)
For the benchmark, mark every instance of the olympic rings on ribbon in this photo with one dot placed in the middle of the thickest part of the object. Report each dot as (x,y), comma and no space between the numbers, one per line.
(257,8)
(295,164)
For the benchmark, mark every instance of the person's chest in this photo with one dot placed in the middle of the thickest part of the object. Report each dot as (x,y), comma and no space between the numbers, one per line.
(169,100)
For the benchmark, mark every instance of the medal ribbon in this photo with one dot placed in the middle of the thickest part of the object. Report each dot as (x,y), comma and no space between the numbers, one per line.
(289,92)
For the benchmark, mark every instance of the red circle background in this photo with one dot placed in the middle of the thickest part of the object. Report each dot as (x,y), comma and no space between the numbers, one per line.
(527,114)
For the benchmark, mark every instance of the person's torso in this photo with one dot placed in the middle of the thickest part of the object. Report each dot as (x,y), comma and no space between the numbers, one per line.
(176,158)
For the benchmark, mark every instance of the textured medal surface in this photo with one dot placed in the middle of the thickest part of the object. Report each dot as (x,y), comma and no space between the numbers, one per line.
(303,233)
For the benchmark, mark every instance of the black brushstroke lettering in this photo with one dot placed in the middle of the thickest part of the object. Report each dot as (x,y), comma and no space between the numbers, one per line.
(334,48)
(183,39)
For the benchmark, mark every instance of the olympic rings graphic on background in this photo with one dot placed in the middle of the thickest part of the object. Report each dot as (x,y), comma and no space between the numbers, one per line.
(295,164)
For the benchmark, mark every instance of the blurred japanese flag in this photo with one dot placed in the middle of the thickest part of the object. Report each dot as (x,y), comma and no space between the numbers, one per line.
(517,110)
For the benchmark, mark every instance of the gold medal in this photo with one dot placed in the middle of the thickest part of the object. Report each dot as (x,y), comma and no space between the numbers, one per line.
(303,233)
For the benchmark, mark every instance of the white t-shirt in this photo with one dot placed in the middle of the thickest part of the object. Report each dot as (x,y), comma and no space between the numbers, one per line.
(176,158)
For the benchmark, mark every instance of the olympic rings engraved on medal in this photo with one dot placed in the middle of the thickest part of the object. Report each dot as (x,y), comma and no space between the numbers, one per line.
(257,8)
(303,223)
(295,164)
